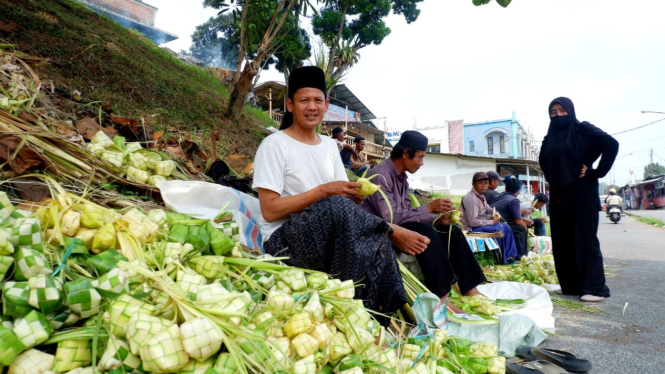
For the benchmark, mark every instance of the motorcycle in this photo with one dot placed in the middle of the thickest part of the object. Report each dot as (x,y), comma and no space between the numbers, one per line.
(614,212)
(652,205)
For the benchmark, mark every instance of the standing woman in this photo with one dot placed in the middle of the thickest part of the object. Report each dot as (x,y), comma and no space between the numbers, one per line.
(569,151)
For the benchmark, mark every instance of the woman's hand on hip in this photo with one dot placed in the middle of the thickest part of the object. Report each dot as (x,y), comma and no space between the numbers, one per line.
(584,167)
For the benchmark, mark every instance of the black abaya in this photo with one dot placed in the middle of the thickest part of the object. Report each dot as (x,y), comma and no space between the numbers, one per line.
(574,203)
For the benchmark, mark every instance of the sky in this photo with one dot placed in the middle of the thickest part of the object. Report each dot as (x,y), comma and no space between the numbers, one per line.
(459,61)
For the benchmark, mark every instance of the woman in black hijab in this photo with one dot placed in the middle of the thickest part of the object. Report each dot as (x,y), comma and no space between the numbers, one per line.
(569,151)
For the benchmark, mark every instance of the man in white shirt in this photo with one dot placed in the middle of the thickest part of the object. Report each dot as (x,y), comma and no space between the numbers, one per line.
(309,208)
(613,199)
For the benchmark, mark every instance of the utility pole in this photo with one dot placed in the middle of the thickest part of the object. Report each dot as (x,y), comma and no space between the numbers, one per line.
(651,164)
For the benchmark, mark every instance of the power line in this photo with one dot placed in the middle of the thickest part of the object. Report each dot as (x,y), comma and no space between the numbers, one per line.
(639,127)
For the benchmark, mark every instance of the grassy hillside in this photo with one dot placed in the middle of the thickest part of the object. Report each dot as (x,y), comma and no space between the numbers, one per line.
(118,67)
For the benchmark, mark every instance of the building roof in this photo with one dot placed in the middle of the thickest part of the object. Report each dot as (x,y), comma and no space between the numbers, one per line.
(515,162)
(156,35)
(340,95)
(343,94)
(486,122)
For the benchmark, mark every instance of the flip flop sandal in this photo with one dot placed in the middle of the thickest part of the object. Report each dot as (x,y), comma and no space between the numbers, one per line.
(563,359)
(533,367)
(524,351)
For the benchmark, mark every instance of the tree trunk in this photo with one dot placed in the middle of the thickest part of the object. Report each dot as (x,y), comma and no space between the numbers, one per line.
(240,90)
(241,46)
(333,48)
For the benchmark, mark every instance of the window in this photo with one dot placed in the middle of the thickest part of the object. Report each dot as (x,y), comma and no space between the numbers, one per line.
(434,148)
(502,145)
(472,147)
(490,145)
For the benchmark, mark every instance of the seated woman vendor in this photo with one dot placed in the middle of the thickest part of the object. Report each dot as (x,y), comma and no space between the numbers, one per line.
(310,209)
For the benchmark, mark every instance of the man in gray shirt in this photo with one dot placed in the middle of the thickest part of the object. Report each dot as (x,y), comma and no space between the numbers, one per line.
(442,264)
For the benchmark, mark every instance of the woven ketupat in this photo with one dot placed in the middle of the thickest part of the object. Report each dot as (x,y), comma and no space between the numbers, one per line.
(264,279)
(105,261)
(46,293)
(82,298)
(231,229)
(115,281)
(6,207)
(29,263)
(15,297)
(5,263)
(26,233)
(72,354)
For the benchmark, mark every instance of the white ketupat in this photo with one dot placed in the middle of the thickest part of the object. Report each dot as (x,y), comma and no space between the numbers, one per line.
(97,149)
(164,352)
(86,235)
(190,280)
(122,311)
(322,334)
(72,354)
(164,168)
(305,366)
(483,350)
(70,222)
(297,324)
(137,175)
(113,157)
(339,347)
(304,345)
(269,324)
(132,146)
(102,139)
(201,338)
(295,278)
(389,358)
(158,216)
(33,330)
(142,327)
(31,361)
(346,290)
(137,160)
(496,365)
(118,356)
(353,370)
(26,233)
(314,308)
(358,338)
(154,179)
(410,351)
(280,303)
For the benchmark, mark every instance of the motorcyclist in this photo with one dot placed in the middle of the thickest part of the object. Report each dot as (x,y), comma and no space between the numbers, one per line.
(613,200)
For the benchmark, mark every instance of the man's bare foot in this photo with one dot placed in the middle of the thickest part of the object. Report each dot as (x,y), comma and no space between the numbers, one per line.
(474,291)
(451,307)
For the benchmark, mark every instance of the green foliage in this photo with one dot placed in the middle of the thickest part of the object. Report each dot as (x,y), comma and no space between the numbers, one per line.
(657,170)
(503,3)
(217,41)
(116,66)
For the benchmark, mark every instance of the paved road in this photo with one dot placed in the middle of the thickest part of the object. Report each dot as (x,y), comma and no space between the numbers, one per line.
(657,213)
(630,342)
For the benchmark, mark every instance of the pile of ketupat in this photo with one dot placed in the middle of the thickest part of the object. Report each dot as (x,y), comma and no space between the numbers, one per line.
(131,159)
(535,268)
(87,289)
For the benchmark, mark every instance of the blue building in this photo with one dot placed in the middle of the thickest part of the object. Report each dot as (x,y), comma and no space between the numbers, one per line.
(505,138)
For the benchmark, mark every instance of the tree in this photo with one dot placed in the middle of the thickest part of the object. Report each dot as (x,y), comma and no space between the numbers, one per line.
(657,170)
(262,29)
(346,26)
(503,3)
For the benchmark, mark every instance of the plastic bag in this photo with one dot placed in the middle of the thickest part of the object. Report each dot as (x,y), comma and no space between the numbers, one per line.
(205,200)
(518,327)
